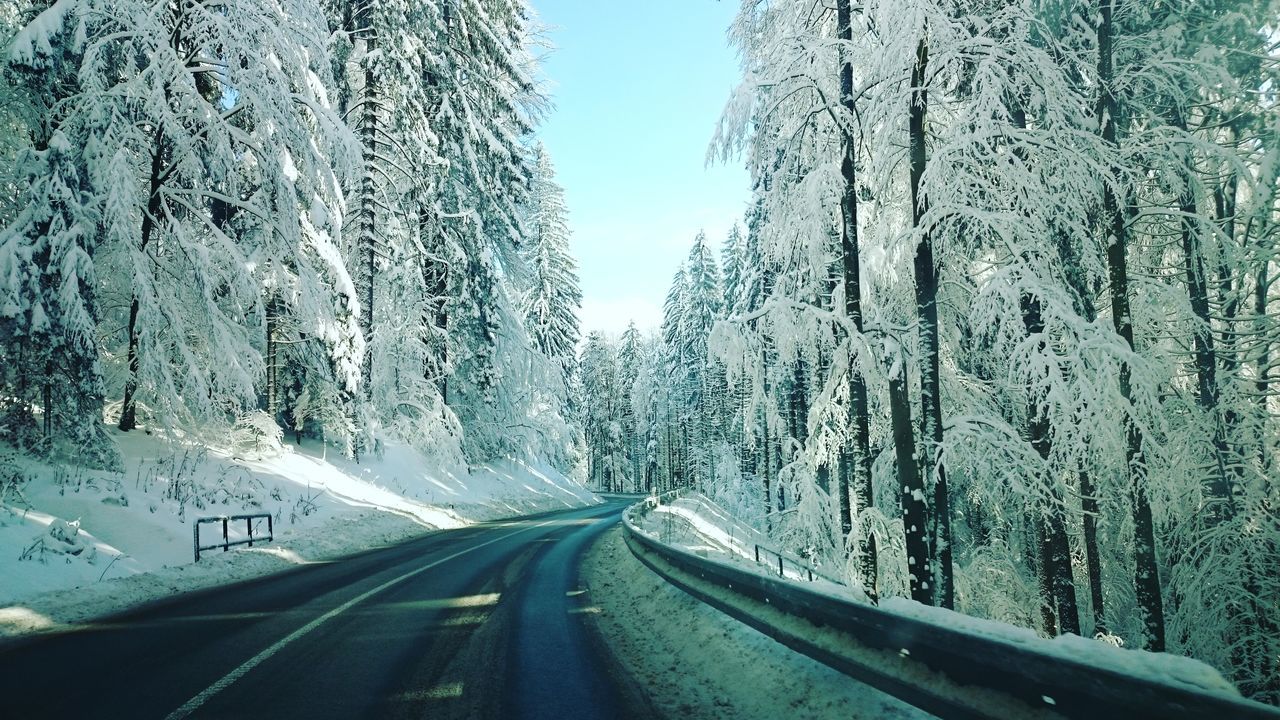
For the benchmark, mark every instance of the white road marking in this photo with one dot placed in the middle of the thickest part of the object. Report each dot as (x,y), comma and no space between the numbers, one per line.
(226,680)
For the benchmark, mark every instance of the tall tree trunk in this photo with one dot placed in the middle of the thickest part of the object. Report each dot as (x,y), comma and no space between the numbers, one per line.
(1055,554)
(1218,486)
(1262,385)
(670,481)
(368,128)
(1230,298)
(1057,582)
(1146,570)
(273,363)
(1044,573)
(926,281)
(857,458)
(1089,508)
(1083,301)
(915,513)
(128,408)
(1225,209)
(46,398)
(435,313)
(766,463)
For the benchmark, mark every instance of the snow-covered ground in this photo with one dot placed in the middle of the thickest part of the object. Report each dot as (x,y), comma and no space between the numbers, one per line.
(76,543)
(690,660)
(696,524)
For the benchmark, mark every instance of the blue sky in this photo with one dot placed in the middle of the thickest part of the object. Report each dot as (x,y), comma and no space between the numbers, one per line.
(638,87)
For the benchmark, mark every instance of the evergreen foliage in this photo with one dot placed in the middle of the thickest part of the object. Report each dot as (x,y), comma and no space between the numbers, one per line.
(318,208)
(998,333)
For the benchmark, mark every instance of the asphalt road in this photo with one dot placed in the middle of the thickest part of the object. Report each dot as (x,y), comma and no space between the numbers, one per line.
(482,622)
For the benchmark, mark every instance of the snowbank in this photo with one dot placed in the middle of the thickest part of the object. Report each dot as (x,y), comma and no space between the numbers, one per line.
(1163,668)
(688,659)
(76,543)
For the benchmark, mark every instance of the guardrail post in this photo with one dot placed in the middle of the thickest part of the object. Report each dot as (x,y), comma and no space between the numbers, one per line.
(780,573)
(757,553)
(248,525)
(195,539)
(226,541)
(271,533)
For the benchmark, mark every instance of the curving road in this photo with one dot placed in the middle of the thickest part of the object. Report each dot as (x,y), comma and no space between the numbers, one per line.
(482,622)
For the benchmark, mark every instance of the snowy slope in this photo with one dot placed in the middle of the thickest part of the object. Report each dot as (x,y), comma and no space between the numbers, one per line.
(697,524)
(76,543)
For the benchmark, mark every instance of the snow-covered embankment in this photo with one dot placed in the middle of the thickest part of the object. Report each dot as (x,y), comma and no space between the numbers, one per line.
(77,544)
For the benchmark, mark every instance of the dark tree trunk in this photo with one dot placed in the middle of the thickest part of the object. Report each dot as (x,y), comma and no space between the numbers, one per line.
(669,481)
(128,408)
(1083,301)
(1146,572)
(1055,565)
(1218,486)
(1230,299)
(915,513)
(272,359)
(857,477)
(1225,208)
(1089,508)
(766,463)
(1044,573)
(368,130)
(46,397)
(1262,385)
(926,281)
(435,319)
(1056,580)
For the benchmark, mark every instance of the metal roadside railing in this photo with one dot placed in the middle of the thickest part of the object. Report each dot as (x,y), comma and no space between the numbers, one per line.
(849,629)
(764,555)
(227,543)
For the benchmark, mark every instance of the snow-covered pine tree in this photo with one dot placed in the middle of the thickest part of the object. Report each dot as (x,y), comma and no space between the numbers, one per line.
(48,303)
(630,359)
(490,101)
(702,307)
(551,298)
(599,366)
(856,493)
(675,367)
(1118,210)
(188,150)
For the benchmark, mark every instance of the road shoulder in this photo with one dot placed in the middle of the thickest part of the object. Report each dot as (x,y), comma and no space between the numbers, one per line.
(678,657)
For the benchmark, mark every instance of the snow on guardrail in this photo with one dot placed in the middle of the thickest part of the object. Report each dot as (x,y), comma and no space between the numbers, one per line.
(692,521)
(945,662)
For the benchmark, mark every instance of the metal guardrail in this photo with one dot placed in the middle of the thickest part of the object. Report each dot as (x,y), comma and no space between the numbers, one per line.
(1059,685)
(802,569)
(228,543)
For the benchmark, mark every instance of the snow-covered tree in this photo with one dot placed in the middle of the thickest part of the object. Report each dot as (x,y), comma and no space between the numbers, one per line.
(551,299)
(48,294)
(314,207)
(997,272)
